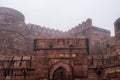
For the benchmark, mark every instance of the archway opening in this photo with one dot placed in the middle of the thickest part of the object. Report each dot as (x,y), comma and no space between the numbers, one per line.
(61,74)
(60,71)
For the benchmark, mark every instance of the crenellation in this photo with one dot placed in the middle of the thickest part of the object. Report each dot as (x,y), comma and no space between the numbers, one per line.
(34,52)
(83,26)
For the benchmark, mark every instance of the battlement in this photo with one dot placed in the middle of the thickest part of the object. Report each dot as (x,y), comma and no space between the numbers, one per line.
(80,27)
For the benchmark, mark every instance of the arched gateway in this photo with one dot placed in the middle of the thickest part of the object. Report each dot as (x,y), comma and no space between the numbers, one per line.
(60,71)
(60,74)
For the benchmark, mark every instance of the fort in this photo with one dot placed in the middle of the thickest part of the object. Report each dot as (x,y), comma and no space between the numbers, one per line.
(32,52)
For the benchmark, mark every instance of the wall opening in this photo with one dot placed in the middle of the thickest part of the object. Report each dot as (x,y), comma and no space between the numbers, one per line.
(60,74)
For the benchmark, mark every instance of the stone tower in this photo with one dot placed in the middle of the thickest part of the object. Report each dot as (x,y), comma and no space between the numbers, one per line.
(12,32)
(117,35)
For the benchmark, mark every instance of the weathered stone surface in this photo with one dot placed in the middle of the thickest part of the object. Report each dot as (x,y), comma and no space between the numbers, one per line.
(67,53)
(84,52)
(16,67)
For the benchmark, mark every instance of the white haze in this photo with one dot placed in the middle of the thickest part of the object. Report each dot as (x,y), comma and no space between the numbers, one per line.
(65,14)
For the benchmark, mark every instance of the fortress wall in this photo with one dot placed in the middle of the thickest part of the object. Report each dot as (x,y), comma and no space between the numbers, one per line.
(14,31)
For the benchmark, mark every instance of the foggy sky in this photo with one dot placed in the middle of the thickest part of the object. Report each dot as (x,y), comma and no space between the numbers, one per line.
(65,14)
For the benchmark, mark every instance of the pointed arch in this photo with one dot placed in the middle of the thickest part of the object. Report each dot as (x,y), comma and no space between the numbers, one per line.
(58,65)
